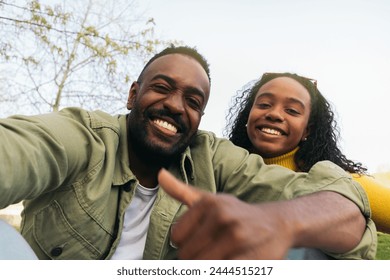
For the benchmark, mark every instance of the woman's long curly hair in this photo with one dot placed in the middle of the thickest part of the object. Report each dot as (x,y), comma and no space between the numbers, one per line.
(322,142)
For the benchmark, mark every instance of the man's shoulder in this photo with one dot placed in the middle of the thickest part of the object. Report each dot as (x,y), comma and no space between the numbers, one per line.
(95,119)
(210,141)
(205,136)
(206,133)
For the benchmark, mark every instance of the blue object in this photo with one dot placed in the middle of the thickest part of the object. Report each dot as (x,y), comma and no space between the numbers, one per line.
(12,244)
(307,254)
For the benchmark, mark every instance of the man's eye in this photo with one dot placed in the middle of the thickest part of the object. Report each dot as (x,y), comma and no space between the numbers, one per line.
(161,88)
(194,104)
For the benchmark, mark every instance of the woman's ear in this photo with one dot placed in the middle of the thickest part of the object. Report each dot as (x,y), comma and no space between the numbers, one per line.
(132,95)
(305,134)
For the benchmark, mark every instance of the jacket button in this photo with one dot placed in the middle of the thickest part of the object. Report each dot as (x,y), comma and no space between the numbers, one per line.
(55,252)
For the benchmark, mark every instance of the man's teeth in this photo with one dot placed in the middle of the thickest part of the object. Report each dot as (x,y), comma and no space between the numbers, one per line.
(271,131)
(165,125)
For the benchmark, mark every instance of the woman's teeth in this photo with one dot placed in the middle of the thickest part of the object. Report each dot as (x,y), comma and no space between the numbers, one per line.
(271,131)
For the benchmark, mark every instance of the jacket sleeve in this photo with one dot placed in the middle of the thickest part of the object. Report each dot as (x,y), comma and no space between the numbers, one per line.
(248,177)
(42,153)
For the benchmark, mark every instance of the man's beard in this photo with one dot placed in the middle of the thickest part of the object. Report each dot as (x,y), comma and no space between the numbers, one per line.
(147,151)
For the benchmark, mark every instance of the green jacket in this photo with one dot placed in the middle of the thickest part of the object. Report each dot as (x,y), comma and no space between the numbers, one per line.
(72,170)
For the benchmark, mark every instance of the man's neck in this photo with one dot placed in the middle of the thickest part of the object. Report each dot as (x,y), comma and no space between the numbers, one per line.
(145,173)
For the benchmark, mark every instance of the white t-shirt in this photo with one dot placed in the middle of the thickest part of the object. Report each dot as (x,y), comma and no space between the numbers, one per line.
(135,226)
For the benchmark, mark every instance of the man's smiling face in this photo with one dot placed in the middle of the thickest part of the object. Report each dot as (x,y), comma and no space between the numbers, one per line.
(166,106)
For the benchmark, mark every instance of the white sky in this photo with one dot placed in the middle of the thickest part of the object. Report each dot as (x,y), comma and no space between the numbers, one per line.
(345,45)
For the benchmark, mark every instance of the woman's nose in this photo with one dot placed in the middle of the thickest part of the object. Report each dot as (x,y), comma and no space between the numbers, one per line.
(275,115)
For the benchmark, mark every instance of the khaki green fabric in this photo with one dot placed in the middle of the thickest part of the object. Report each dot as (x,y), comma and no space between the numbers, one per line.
(73,168)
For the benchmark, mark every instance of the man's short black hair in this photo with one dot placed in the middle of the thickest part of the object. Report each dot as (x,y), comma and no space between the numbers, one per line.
(184,50)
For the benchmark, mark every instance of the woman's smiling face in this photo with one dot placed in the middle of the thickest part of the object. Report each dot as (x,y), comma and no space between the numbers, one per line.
(279,117)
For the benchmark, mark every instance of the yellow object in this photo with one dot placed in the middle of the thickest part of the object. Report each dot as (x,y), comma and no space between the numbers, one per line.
(378,194)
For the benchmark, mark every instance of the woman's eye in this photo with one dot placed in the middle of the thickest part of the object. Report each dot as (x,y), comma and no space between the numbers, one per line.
(293,111)
(263,105)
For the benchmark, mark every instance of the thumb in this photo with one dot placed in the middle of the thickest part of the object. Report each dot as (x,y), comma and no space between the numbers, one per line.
(177,189)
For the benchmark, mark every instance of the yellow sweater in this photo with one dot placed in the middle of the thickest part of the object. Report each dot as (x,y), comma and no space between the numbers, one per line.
(378,194)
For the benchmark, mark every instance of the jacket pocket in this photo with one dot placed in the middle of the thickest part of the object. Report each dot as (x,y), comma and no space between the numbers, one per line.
(58,239)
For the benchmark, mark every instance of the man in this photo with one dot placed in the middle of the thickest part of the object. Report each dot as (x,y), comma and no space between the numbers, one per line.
(91,186)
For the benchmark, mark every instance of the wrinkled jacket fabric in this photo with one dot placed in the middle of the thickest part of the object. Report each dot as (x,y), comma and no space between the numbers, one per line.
(72,170)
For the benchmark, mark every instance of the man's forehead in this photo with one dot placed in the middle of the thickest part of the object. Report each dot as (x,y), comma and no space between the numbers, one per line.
(182,69)
(170,62)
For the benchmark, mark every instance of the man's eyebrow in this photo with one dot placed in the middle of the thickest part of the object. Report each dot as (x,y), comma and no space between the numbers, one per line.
(172,82)
(196,91)
(168,79)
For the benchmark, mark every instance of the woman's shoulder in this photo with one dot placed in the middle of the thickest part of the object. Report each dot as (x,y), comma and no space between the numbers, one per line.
(369,181)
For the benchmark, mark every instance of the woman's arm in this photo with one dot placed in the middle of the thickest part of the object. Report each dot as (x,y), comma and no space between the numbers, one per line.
(379,197)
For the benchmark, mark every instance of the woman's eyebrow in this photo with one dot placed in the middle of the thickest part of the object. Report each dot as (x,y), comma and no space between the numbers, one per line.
(295,100)
(290,99)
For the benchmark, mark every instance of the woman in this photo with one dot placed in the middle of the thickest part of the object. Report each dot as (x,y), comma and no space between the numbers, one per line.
(284,118)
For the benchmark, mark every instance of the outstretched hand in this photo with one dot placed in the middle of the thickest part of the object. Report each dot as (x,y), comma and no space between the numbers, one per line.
(219,226)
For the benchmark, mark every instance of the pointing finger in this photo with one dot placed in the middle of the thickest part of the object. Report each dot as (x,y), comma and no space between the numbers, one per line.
(177,189)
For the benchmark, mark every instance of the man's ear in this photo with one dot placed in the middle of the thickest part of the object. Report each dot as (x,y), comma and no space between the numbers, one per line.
(132,95)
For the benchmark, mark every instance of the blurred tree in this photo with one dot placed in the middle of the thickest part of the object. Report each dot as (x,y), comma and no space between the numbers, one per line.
(70,53)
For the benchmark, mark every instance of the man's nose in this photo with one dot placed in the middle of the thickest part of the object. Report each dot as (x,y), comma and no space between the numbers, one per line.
(175,103)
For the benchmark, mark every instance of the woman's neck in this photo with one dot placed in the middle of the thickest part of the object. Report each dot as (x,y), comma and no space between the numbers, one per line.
(286,160)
